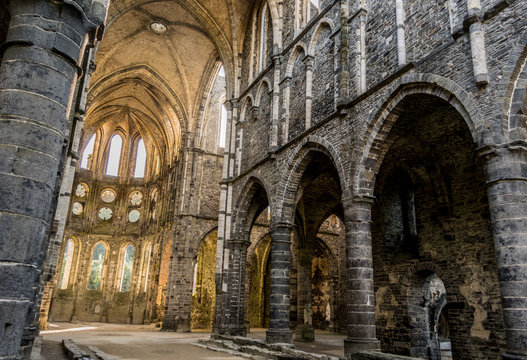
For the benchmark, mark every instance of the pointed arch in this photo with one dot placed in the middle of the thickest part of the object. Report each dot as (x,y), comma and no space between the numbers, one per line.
(364,171)
(253,199)
(300,49)
(325,22)
(291,177)
(115,150)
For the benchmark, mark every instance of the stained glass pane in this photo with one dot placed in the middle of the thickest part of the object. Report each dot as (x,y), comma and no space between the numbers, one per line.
(97,263)
(128,261)
(66,264)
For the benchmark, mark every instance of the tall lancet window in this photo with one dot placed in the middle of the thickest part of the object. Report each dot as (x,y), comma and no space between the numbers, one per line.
(87,155)
(97,263)
(114,155)
(223,126)
(314,6)
(126,274)
(263,37)
(67,261)
(140,160)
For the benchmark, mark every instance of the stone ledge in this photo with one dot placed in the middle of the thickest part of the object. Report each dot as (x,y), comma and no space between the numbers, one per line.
(73,351)
(259,349)
(377,355)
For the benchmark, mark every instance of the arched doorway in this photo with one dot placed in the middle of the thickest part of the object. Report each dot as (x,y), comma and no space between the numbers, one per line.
(203,287)
(431,213)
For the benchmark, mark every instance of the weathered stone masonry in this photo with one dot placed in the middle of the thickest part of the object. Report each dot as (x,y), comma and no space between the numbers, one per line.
(37,75)
(420,117)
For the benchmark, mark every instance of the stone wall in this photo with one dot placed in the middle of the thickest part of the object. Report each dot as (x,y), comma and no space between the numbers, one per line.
(414,109)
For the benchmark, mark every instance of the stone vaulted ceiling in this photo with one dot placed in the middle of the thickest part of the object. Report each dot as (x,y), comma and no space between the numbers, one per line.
(159,80)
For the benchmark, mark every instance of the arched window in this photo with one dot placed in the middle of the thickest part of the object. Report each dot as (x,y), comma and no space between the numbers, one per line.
(114,155)
(263,37)
(314,7)
(67,260)
(126,274)
(97,263)
(148,254)
(87,159)
(223,126)
(140,160)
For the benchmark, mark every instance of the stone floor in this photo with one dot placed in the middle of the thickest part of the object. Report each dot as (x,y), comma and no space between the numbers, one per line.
(142,342)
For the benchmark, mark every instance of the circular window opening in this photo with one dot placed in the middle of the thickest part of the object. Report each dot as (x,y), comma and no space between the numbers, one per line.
(134,216)
(105,213)
(108,195)
(158,28)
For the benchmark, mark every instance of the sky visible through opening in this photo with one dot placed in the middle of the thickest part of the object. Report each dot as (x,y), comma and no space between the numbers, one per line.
(114,156)
(140,160)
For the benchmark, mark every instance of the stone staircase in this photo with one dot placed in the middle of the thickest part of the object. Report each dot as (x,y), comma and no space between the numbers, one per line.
(259,349)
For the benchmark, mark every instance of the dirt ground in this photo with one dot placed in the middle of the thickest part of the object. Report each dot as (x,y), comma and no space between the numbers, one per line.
(128,342)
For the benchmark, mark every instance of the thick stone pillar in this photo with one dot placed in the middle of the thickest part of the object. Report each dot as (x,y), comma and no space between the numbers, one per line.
(237,287)
(506,173)
(279,331)
(304,330)
(39,67)
(359,264)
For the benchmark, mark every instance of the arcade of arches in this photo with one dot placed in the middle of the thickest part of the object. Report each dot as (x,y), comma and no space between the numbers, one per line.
(350,166)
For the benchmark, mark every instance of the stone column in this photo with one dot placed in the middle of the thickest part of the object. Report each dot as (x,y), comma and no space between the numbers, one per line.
(308,61)
(506,174)
(304,330)
(477,42)
(279,331)
(359,264)
(237,287)
(38,70)
(275,119)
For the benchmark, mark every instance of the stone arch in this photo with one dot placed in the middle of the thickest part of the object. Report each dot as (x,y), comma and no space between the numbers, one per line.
(247,104)
(202,120)
(299,49)
(203,287)
(314,38)
(297,163)
(260,92)
(414,306)
(201,237)
(514,95)
(370,153)
(247,210)
(147,75)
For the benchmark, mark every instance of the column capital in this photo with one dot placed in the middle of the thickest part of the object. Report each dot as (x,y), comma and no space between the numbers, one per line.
(282,225)
(493,150)
(239,243)
(505,162)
